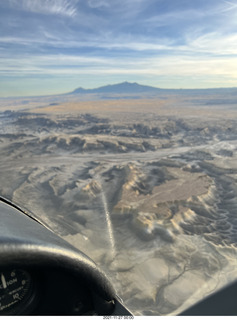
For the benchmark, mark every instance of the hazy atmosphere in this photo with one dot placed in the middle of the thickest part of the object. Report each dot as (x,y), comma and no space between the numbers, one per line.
(55,46)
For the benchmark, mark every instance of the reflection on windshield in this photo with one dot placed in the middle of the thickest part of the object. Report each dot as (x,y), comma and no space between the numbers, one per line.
(148,194)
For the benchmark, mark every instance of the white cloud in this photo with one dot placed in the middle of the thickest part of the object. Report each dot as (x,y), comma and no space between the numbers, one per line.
(196,43)
(213,43)
(200,53)
(168,66)
(58,7)
(229,6)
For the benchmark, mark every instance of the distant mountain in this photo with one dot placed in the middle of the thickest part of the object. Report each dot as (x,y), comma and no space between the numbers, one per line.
(120,88)
(135,88)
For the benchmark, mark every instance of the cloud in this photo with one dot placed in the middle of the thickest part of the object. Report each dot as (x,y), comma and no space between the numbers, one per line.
(58,7)
(166,66)
(229,6)
(131,38)
(213,43)
(163,71)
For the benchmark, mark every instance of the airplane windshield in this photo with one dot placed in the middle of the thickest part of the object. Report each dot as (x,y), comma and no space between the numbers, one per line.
(99,143)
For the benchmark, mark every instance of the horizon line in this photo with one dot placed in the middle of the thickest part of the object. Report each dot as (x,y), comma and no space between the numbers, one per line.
(113,84)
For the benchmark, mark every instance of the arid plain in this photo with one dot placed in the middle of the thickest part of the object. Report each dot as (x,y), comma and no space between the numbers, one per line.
(144,186)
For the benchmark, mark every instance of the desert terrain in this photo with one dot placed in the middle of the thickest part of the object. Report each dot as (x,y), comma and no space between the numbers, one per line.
(144,186)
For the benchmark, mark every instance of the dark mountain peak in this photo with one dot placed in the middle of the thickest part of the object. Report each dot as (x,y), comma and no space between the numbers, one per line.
(79,90)
(119,88)
(134,88)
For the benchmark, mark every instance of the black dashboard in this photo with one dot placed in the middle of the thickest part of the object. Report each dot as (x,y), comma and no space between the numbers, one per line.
(41,274)
(43,292)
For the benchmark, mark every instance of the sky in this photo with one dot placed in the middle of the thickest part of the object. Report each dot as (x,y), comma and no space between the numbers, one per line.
(55,46)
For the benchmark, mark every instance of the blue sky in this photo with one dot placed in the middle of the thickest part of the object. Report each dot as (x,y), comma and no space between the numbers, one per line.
(55,46)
